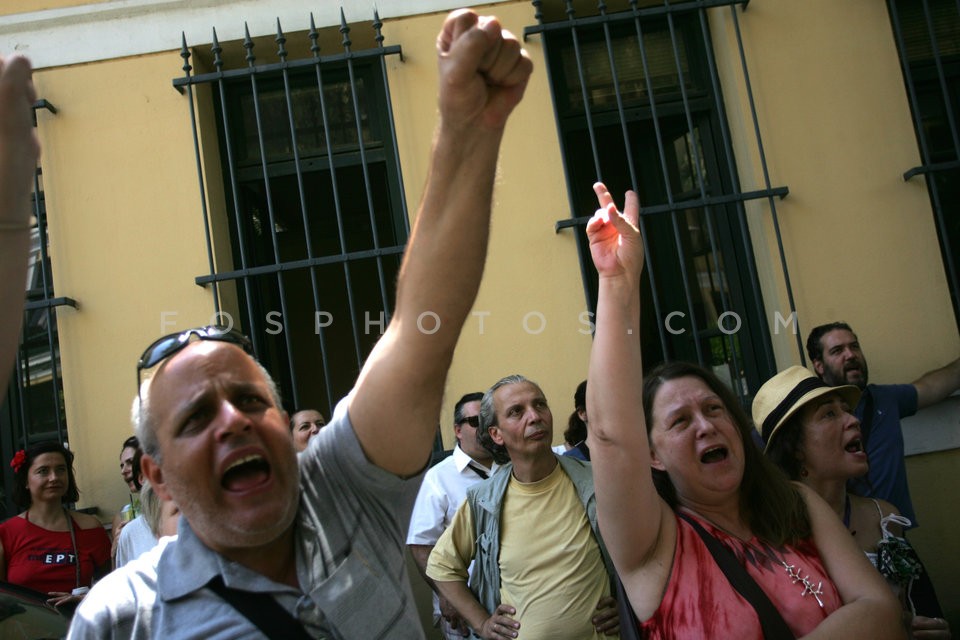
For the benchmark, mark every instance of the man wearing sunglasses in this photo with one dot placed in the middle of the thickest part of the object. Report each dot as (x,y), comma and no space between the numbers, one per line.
(443,489)
(314,546)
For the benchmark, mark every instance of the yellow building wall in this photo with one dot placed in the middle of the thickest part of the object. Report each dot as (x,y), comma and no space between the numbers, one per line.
(126,241)
(933,477)
(860,242)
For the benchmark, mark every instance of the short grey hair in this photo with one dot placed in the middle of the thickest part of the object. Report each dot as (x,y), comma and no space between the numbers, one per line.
(150,508)
(145,423)
(488,417)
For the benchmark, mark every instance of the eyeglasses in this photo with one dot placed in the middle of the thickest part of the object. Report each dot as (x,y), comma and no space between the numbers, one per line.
(164,347)
(473,421)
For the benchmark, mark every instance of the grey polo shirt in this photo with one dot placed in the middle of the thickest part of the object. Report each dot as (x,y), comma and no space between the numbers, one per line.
(349,538)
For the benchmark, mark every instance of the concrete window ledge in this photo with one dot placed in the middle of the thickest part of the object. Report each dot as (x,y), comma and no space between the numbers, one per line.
(936,428)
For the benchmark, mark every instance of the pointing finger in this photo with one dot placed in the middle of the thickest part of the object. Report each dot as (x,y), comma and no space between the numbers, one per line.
(631,208)
(603,195)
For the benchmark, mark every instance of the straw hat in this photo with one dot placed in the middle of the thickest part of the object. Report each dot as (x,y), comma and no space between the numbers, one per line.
(784,394)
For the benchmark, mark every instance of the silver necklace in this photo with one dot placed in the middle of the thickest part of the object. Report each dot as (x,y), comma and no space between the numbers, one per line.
(795,575)
(808,587)
(793,572)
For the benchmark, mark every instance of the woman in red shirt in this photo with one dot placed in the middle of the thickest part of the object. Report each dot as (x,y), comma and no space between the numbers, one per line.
(49,548)
(714,519)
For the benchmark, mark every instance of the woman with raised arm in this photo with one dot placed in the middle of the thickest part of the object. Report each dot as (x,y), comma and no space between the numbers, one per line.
(712,500)
(19,150)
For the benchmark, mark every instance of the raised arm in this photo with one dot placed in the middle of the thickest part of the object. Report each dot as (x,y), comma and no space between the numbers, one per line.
(633,520)
(936,385)
(421,553)
(18,161)
(396,403)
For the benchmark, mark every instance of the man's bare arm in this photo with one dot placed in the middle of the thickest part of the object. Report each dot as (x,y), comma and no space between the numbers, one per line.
(936,385)
(18,161)
(498,625)
(421,553)
(396,403)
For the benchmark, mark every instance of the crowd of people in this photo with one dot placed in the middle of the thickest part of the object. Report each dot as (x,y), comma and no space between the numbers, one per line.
(663,519)
(784,564)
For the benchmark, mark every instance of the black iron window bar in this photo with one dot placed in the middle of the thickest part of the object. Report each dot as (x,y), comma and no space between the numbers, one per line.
(928,167)
(254,71)
(41,299)
(637,17)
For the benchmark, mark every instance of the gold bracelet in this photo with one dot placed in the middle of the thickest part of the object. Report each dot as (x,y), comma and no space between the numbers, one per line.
(23,225)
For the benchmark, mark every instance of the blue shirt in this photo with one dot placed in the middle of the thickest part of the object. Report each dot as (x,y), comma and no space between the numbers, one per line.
(579,451)
(887,478)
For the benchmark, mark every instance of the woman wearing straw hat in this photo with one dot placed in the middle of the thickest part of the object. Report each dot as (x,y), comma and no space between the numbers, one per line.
(809,432)
(782,564)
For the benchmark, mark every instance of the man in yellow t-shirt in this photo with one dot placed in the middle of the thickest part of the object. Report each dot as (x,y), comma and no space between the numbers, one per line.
(541,571)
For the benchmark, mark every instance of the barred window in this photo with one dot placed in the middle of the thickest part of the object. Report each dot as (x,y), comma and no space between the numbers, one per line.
(640,84)
(33,409)
(927,33)
(315,215)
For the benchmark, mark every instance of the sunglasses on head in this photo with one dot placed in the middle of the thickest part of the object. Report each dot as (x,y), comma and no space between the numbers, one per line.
(164,347)
(473,421)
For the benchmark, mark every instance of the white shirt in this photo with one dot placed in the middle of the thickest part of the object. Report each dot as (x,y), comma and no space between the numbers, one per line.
(135,539)
(444,488)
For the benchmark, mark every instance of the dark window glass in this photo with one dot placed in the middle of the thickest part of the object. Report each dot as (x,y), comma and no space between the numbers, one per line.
(331,252)
(928,36)
(699,256)
(33,409)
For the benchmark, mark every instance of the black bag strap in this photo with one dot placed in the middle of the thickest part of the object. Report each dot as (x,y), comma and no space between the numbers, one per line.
(867,420)
(772,623)
(862,486)
(262,610)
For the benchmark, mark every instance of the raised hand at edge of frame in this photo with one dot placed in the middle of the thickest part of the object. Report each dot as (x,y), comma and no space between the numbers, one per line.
(483,71)
(615,242)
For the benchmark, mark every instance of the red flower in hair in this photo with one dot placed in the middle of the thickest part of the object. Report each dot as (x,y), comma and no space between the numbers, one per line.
(18,459)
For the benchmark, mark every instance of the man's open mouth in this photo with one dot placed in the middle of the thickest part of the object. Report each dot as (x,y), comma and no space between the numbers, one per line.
(246,473)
